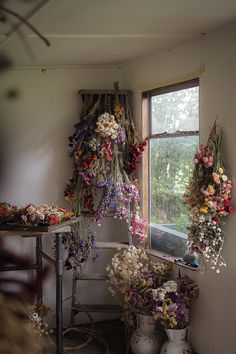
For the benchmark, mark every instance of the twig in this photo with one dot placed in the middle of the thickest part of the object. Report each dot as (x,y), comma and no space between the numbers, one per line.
(15,14)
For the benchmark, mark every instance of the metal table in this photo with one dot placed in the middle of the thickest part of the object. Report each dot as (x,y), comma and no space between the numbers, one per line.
(39,232)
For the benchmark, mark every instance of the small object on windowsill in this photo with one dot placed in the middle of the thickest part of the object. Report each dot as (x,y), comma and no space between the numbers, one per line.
(181,261)
(190,259)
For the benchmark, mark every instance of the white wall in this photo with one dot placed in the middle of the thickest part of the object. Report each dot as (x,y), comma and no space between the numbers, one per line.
(35,165)
(214,319)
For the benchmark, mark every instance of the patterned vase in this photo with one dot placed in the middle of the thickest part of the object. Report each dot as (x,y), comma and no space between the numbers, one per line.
(176,343)
(144,339)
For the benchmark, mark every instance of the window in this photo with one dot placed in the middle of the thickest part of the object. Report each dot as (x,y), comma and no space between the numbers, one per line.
(173,136)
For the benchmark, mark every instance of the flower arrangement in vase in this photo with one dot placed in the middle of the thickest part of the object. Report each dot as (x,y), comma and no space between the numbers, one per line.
(172,308)
(172,301)
(209,197)
(143,289)
(132,276)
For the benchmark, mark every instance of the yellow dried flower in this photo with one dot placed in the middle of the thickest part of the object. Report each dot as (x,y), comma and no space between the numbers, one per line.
(204,210)
(118,111)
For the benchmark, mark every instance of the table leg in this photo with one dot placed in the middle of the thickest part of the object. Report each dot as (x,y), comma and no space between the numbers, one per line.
(59,275)
(39,267)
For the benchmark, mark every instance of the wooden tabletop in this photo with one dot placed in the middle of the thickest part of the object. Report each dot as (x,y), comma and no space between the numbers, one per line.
(32,231)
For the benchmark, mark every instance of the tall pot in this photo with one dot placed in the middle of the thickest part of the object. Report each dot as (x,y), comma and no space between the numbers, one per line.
(176,343)
(145,339)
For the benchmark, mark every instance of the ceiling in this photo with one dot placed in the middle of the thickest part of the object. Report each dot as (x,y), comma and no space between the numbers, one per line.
(106,32)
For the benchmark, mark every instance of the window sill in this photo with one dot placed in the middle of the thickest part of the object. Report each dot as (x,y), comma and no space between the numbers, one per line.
(166,257)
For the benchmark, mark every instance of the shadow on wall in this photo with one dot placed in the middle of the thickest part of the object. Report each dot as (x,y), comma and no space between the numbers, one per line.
(34,150)
(34,161)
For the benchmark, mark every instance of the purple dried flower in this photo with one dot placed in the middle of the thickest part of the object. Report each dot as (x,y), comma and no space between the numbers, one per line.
(121,136)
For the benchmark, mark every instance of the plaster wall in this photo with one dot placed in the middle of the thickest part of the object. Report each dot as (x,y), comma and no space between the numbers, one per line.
(213,325)
(35,165)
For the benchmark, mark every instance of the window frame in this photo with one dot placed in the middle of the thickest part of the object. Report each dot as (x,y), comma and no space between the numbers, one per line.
(148,136)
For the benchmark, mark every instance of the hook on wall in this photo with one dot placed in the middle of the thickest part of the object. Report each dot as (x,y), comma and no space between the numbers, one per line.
(43,71)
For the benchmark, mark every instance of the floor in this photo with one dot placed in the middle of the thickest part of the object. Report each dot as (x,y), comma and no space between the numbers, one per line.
(110,333)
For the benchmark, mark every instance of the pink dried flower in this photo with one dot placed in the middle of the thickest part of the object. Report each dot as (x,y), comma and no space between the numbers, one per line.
(24,218)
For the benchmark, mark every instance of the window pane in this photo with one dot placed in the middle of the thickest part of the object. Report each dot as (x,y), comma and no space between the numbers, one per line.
(174,111)
(171,164)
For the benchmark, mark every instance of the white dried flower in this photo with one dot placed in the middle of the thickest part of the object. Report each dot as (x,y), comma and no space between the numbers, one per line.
(170,286)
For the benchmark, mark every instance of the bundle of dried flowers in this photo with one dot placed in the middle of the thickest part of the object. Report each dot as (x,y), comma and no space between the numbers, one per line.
(106,152)
(209,197)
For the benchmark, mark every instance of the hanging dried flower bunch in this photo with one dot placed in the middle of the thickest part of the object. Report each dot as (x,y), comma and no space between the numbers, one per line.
(78,244)
(209,196)
(106,152)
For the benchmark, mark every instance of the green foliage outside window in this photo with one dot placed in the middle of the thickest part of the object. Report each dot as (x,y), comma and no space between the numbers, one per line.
(171,158)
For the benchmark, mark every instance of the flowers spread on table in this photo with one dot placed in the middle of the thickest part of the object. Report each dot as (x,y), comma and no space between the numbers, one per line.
(143,288)
(209,196)
(106,152)
(77,243)
(6,211)
(33,214)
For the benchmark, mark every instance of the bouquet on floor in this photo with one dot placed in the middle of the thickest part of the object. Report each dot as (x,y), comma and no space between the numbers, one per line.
(132,276)
(209,197)
(143,287)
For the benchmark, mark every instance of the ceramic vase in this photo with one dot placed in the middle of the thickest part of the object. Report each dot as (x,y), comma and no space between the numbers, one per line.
(144,339)
(176,343)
